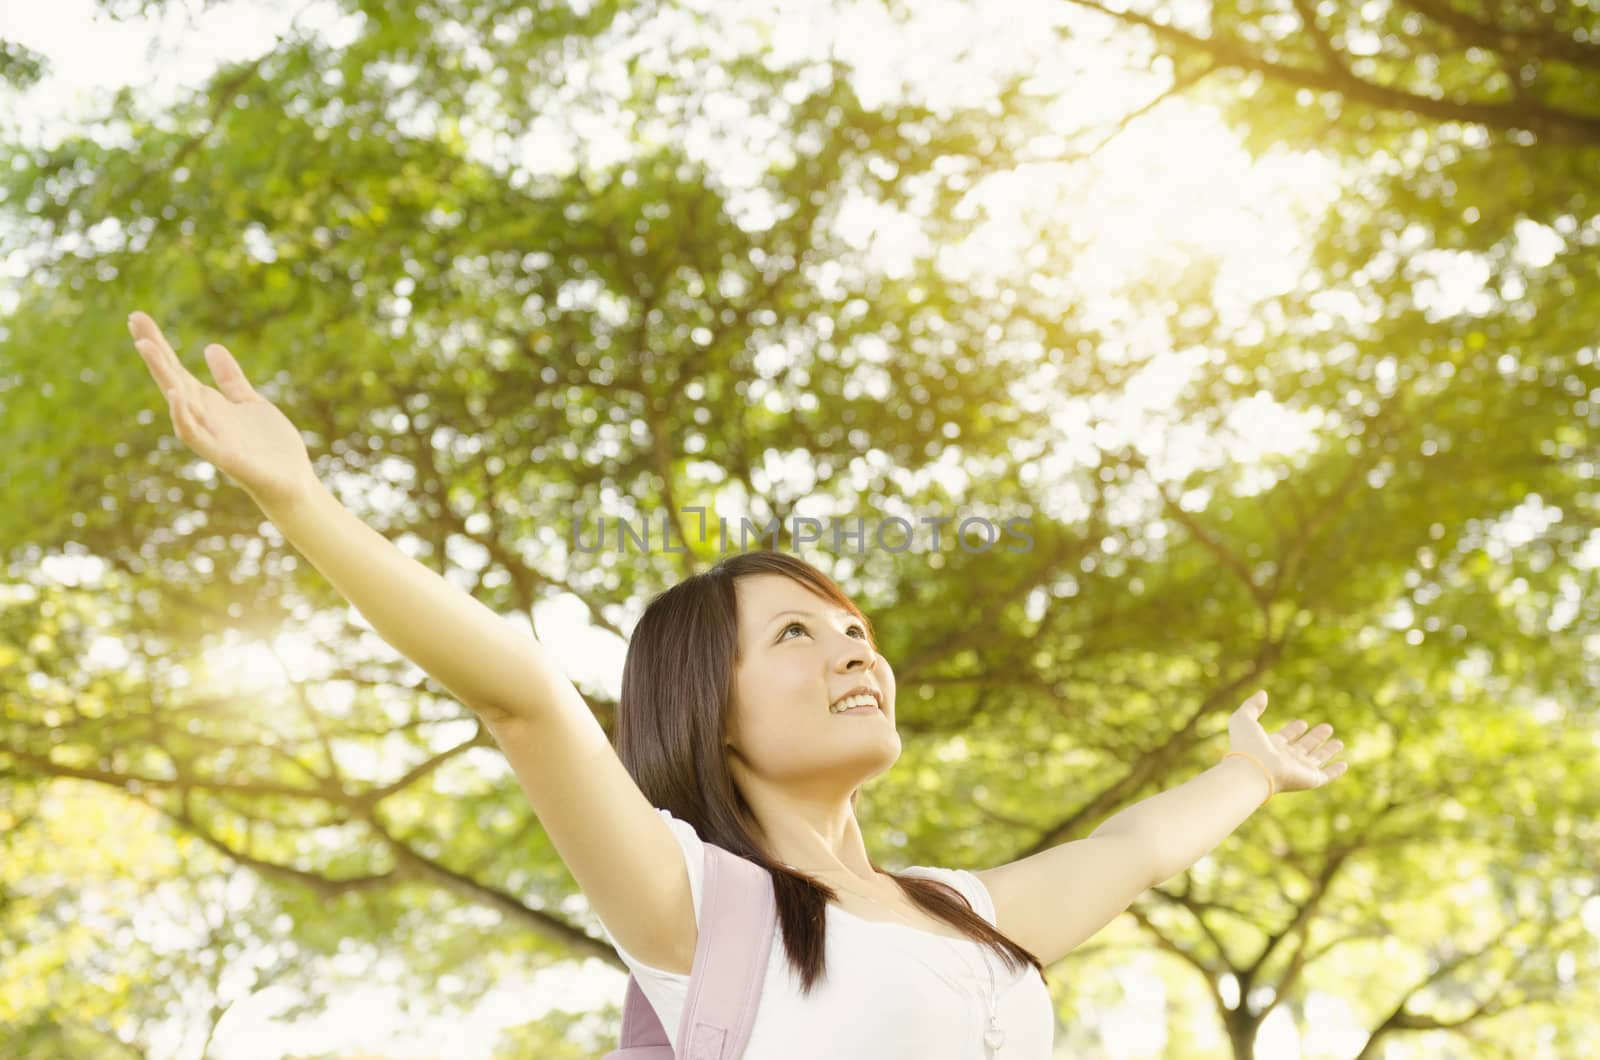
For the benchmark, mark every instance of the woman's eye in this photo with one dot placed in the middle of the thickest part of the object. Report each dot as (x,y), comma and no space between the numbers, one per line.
(798,625)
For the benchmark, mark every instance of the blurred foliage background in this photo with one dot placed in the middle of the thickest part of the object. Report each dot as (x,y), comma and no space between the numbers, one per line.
(1372,498)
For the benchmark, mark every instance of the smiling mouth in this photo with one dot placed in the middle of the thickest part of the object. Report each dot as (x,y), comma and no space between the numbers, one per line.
(875,704)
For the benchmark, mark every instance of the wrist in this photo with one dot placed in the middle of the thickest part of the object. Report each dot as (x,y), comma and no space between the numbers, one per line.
(1253,766)
(284,505)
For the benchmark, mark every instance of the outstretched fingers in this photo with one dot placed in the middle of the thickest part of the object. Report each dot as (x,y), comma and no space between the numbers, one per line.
(171,375)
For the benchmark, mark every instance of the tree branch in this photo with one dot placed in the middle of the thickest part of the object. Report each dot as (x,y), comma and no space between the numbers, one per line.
(1520,43)
(1546,122)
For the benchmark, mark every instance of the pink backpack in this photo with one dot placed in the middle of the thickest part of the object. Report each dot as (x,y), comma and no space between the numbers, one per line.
(737,915)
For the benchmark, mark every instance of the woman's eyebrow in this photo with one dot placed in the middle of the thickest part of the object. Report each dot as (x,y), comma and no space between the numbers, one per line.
(807,614)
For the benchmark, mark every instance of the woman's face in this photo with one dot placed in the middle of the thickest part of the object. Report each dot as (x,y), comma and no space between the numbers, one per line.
(799,653)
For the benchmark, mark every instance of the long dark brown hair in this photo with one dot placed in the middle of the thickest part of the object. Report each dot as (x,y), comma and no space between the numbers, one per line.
(672,717)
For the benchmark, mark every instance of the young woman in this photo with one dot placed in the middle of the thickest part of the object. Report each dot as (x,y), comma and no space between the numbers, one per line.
(754,707)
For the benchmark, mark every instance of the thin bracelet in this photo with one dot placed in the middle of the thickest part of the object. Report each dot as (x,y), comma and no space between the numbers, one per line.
(1272,788)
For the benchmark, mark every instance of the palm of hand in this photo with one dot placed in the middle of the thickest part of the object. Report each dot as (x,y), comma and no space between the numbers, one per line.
(238,430)
(1298,756)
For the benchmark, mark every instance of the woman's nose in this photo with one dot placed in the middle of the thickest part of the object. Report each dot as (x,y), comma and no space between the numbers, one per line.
(859,654)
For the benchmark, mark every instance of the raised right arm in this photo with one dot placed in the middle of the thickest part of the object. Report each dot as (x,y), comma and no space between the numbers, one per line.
(621,852)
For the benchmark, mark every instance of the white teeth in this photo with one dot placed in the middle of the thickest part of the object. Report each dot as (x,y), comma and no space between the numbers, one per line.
(862,700)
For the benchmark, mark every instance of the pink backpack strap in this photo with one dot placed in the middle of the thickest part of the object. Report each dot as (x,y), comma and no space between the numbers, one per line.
(737,916)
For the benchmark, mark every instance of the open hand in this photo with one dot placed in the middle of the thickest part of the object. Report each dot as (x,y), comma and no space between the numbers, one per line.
(232,426)
(1298,759)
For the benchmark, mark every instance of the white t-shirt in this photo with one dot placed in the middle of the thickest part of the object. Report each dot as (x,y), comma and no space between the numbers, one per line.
(890,992)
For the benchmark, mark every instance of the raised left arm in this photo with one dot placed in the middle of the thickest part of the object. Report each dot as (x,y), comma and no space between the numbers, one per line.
(1052,901)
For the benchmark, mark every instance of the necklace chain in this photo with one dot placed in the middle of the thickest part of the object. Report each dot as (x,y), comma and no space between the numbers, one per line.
(993,1036)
